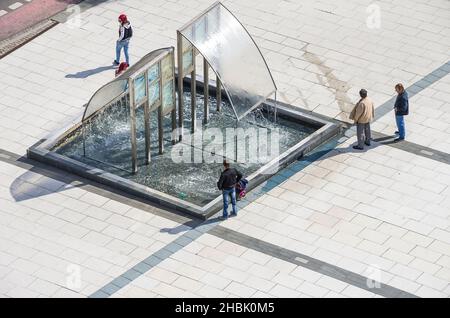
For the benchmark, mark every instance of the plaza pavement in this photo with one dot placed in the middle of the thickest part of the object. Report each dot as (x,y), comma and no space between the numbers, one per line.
(326,228)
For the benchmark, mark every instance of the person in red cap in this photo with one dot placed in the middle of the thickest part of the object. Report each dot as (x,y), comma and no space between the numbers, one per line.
(125,34)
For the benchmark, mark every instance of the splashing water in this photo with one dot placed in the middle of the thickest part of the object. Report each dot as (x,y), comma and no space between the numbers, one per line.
(108,147)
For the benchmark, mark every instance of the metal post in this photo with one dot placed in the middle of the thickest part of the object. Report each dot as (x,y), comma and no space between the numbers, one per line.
(218,93)
(205,91)
(174,111)
(218,82)
(180,85)
(160,130)
(193,94)
(235,143)
(174,126)
(133,127)
(160,115)
(275,107)
(83,128)
(147,123)
(147,133)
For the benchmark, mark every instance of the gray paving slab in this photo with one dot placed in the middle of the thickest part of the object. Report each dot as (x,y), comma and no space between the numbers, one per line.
(312,263)
(415,88)
(411,147)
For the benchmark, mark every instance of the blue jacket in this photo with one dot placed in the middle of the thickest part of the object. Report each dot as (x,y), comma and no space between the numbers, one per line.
(402,104)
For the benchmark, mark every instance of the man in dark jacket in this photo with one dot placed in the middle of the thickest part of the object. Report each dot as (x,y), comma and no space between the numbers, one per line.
(401,108)
(227,183)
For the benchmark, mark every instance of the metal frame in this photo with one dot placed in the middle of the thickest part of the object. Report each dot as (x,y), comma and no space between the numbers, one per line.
(194,79)
(44,152)
(198,16)
(130,76)
(219,80)
(106,104)
(218,93)
(205,91)
(265,62)
(133,126)
(194,93)
(121,97)
(180,85)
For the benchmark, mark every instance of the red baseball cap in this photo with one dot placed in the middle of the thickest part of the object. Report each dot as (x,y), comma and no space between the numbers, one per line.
(123,18)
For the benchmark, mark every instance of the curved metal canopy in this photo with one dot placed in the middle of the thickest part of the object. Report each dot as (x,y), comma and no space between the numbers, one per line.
(233,55)
(119,86)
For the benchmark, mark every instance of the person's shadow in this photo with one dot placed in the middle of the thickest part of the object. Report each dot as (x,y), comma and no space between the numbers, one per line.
(87,73)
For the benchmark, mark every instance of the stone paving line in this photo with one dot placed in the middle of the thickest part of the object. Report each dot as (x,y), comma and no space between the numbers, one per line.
(280,45)
(93,187)
(340,214)
(310,263)
(415,88)
(412,147)
(283,46)
(153,260)
(332,271)
(182,241)
(428,123)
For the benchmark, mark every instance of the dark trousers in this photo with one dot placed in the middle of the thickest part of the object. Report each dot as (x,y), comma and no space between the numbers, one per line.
(363,134)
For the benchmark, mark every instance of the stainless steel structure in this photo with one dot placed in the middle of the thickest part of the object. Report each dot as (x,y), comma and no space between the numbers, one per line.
(233,55)
(150,83)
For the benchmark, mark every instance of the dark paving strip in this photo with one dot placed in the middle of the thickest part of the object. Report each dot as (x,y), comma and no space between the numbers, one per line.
(206,227)
(93,187)
(309,263)
(195,228)
(412,147)
(414,89)
(153,260)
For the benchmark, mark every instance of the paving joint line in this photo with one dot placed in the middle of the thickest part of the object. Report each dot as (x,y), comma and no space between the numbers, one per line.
(212,227)
(411,147)
(308,262)
(96,188)
(153,260)
(197,231)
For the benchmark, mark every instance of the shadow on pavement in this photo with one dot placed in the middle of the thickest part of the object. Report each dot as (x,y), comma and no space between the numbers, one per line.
(41,180)
(87,73)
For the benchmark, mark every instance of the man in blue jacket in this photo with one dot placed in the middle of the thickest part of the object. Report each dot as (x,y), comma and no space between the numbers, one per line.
(401,108)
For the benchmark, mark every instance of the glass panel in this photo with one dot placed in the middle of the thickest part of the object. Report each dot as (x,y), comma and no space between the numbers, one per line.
(111,91)
(108,139)
(104,96)
(232,53)
(186,44)
(187,61)
(166,66)
(153,92)
(139,89)
(168,91)
(200,29)
(153,73)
